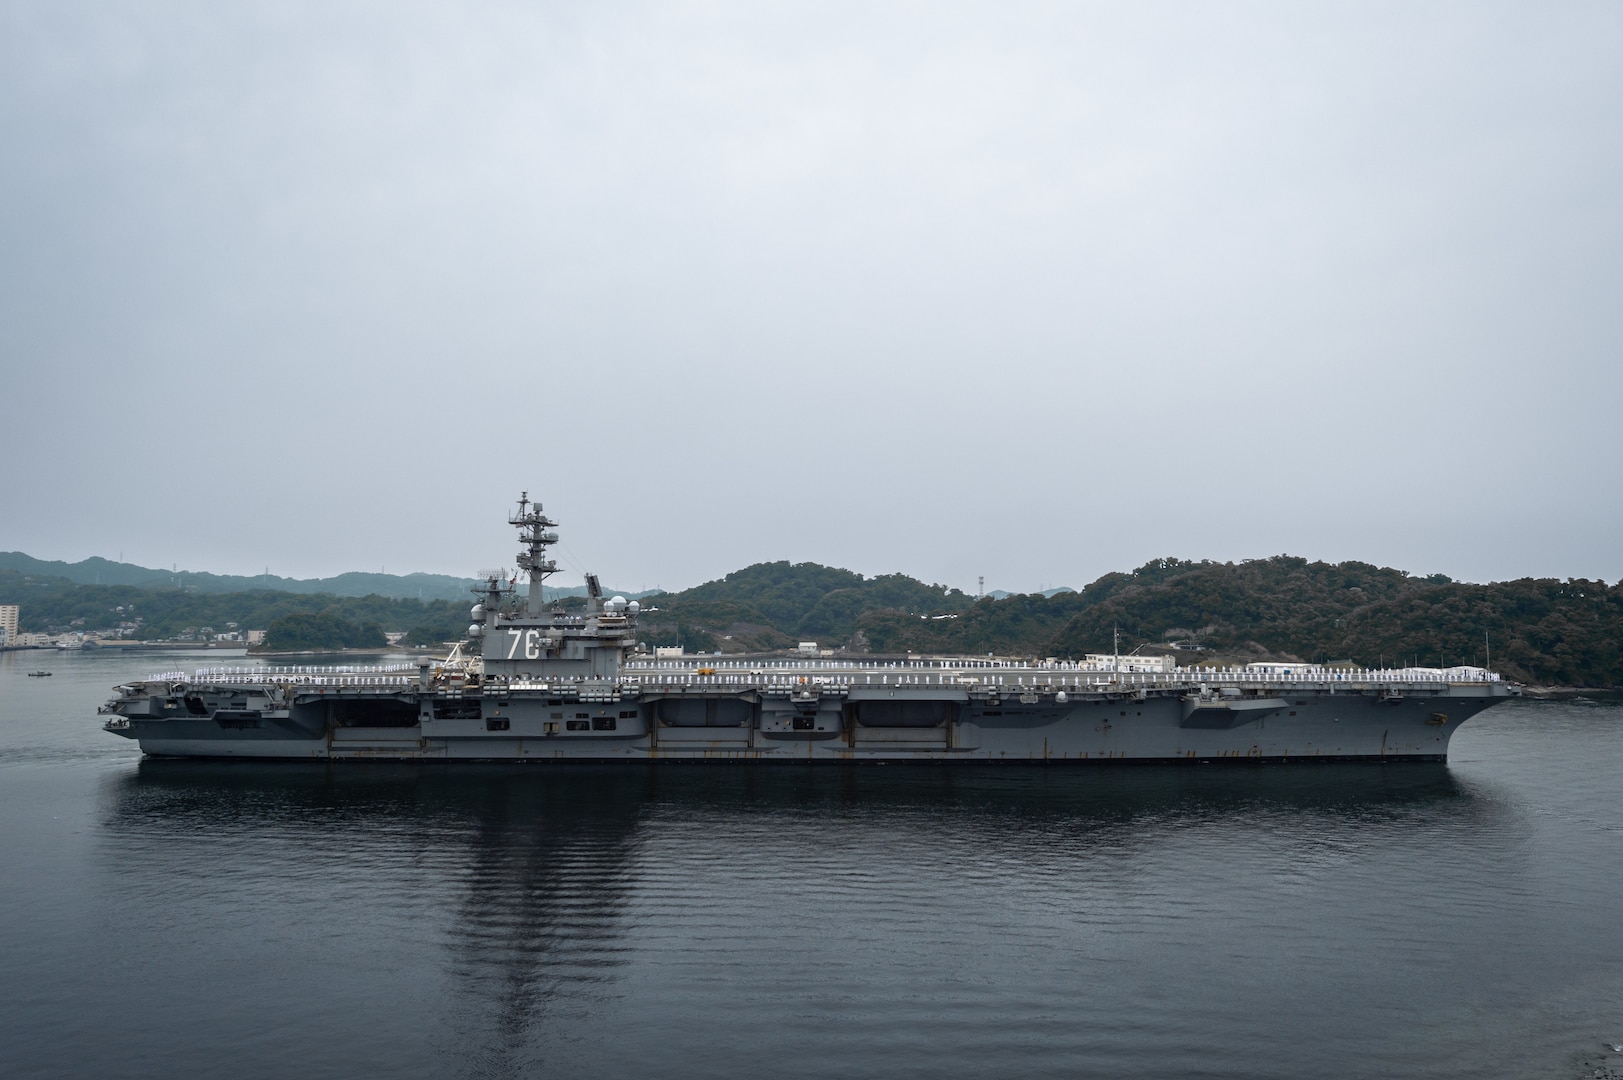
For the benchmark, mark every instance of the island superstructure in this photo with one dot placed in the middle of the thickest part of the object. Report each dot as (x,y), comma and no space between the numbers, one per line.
(533,682)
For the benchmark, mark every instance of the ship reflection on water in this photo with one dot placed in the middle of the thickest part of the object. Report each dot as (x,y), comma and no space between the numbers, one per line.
(526,918)
(515,881)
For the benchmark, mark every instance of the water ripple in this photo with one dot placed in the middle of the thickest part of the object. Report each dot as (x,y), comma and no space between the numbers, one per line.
(489,921)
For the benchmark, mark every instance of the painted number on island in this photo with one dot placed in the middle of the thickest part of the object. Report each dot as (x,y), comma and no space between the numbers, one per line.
(531,640)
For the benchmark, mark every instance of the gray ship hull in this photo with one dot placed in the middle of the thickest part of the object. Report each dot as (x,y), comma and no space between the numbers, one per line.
(849,714)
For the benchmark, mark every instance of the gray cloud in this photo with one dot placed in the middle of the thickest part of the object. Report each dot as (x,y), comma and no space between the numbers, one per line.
(1033,292)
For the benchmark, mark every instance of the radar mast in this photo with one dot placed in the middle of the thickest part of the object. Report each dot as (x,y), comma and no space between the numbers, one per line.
(534,533)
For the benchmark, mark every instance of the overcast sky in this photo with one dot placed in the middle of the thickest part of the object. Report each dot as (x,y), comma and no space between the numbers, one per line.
(1033,292)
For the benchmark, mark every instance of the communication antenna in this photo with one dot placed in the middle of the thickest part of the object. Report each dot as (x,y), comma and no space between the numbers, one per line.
(533,532)
(980,588)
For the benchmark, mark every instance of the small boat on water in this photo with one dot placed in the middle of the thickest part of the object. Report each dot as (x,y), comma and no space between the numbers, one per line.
(39,674)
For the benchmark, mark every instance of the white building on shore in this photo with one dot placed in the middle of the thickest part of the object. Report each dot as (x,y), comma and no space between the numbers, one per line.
(1141,664)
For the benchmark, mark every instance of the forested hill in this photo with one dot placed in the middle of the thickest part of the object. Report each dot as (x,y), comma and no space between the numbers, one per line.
(1539,630)
(99,571)
(55,605)
(357,583)
(775,605)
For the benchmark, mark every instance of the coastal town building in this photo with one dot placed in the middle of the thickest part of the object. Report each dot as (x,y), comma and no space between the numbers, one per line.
(8,624)
(1130,663)
(1276,667)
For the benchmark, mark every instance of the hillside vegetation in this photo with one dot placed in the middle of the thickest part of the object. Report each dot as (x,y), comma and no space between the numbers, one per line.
(355,584)
(99,571)
(52,604)
(776,605)
(1541,631)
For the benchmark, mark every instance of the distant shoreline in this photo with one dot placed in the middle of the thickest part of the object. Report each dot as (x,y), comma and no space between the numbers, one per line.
(1563,693)
(384,651)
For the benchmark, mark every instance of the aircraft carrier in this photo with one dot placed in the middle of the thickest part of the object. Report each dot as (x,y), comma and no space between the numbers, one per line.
(533,682)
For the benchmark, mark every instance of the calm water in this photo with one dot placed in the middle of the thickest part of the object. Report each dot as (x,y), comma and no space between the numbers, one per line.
(197,919)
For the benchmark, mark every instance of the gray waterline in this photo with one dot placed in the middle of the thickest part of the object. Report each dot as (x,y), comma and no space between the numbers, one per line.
(191,917)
